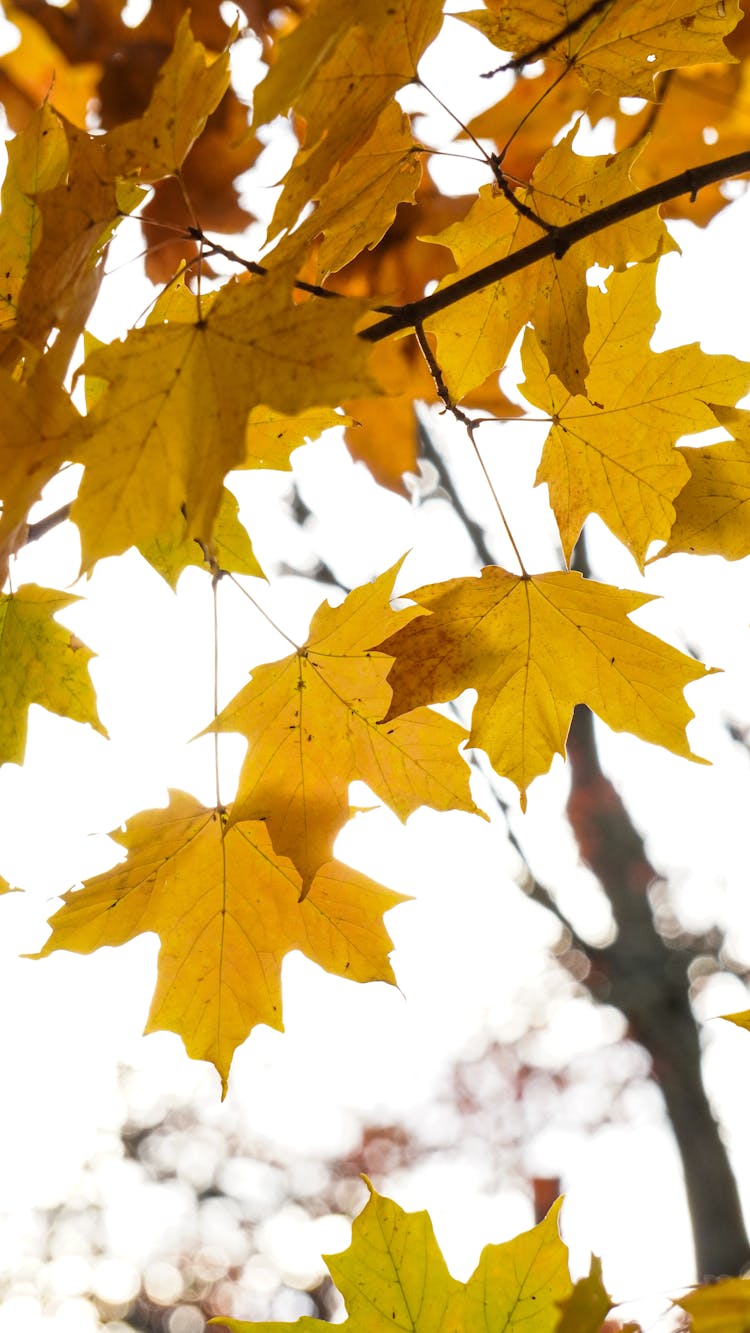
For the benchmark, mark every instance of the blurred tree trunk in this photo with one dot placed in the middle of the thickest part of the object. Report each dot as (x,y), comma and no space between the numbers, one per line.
(641,973)
(648,981)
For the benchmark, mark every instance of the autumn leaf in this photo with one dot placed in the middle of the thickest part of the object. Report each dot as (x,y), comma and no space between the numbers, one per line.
(475,336)
(37,70)
(225,149)
(189,87)
(330,62)
(394,1276)
(720,1307)
(704,113)
(41,662)
(612,452)
(227,911)
(313,725)
(231,549)
(270,437)
(588,1305)
(79,215)
(618,49)
(37,159)
(36,416)
(711,510)
(357,205)
(742,1019)
(533,648)
(172,422)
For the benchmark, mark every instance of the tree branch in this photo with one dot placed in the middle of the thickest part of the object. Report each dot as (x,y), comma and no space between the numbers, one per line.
(46,524)
(557,243)
(542,48)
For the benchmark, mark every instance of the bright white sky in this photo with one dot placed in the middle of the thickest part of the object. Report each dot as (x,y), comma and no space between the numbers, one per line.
(469,944)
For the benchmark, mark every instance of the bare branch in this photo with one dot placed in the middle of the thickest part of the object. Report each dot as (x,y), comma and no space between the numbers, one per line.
(557,243)
(46,524)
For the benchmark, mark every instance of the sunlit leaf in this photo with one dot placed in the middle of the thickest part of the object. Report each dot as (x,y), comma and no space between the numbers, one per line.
(41,662)
(533,648)
(314,724)
(712,511)
(612,452)
(227,911)
(394,1276)
(621,48)
(173,420)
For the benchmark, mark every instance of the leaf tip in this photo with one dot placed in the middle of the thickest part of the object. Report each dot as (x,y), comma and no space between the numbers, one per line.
(741,1020)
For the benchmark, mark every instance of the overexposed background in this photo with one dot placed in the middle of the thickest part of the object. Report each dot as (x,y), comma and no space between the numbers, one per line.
(470,950)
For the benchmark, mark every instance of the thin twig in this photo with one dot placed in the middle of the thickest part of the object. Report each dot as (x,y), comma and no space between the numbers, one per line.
(470,427)
(46,524)
(475,530)
(528,114)
(543,47)
(215,591)
(512,197)
(488,159)
(259,608)
(214,248)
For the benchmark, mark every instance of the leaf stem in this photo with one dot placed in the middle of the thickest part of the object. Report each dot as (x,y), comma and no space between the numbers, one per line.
(486,156)
(215,591)
(259,608)
(470,426)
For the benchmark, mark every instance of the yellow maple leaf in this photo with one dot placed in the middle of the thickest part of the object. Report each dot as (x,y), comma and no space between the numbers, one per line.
(172,422)
(41,662)
(721,1307)
(37,159)
(533,648)
(475,336)
(612,452)
(588,1304)
(36,416)
(79,215)
(394,1276)
(271,436)
(712,509)
(339,70)
(227,910)
(231,549)
(355,208)
(188,88)
(313,722)
(618,49)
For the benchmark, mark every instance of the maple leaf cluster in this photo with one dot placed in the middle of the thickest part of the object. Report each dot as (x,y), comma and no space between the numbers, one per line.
(372,291)
(394,1275)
